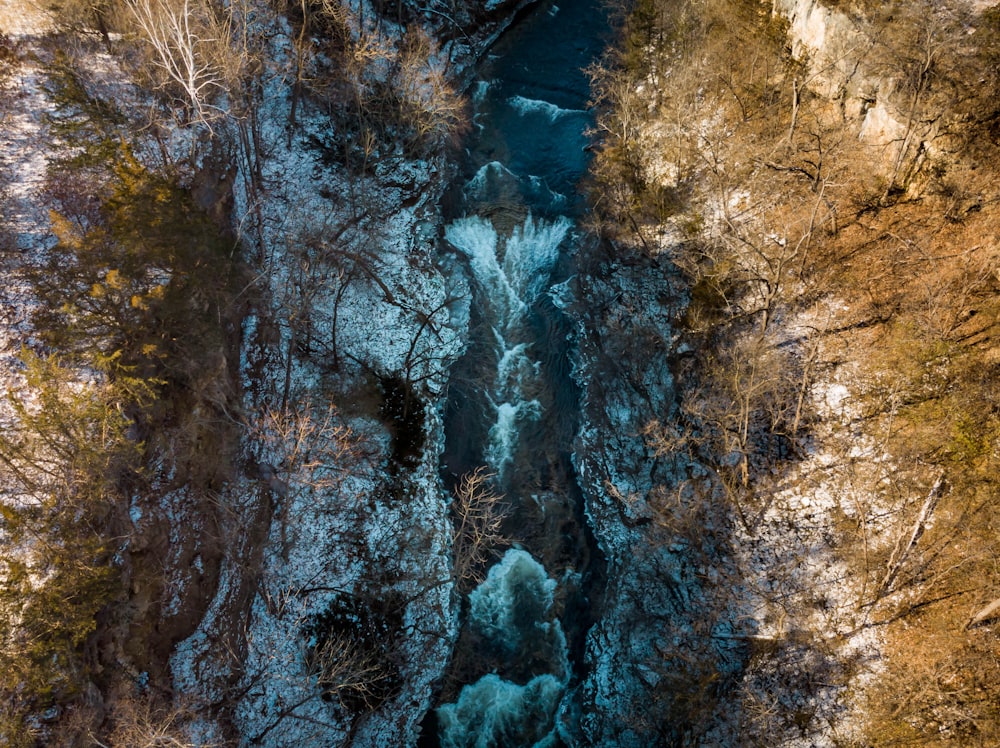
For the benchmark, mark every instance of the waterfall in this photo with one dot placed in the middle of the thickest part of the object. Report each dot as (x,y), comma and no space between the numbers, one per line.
(510,273)
(511,613)
(512,403)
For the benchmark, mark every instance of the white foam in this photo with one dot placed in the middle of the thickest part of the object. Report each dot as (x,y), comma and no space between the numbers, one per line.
(488,175)
(477,239)
(503,434)
(493,711)
(531,252)
(514,366)
(507,289)
(479,94)
(511,610)
(525,106)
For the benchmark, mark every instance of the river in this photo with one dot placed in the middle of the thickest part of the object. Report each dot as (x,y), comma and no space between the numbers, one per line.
(513,406)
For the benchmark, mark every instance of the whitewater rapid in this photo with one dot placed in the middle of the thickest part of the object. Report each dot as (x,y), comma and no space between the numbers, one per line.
(513,405)
(511,272)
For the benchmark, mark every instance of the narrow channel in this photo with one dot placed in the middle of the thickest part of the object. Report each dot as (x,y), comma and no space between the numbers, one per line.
(513,406)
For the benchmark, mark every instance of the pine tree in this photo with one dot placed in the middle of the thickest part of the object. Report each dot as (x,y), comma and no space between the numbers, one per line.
(67,460)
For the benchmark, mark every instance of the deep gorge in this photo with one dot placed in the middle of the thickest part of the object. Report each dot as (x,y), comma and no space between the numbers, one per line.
(500,374)
(513,404)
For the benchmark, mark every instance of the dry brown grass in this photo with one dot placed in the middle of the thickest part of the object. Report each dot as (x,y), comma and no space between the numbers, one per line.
(23,17)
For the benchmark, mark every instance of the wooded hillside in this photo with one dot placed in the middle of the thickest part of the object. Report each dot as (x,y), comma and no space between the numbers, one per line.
(161,301)
(825,178)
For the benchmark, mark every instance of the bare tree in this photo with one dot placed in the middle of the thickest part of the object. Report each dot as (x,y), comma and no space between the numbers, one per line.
(343,667)
(478,515)
(189,41)
(923,47)
(140,723)
(430,105)
(305,450)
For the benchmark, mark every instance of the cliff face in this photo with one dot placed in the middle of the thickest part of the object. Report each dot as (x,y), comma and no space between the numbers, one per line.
(882,67)
(285,556)
(832,44)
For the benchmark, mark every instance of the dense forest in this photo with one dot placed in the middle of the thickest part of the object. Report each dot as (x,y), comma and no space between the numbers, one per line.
(235,290)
